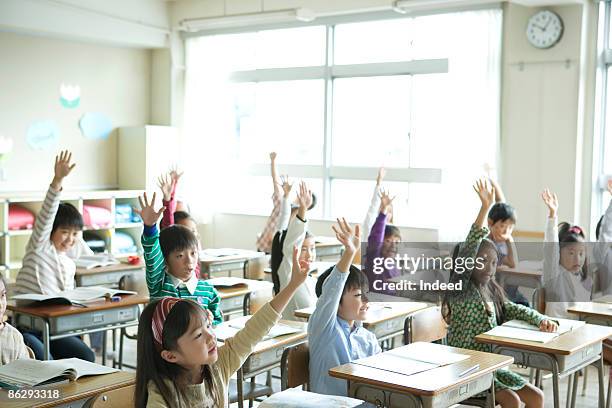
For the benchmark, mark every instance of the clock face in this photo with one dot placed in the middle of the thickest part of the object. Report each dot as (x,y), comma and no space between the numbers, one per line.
(545,29)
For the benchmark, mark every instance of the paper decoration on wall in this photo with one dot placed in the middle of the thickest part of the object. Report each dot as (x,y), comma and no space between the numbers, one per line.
(42,134)
(70,96)
(95,125)
(6,147)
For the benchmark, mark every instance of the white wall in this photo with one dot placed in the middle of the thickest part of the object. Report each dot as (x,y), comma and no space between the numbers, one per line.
(113,81)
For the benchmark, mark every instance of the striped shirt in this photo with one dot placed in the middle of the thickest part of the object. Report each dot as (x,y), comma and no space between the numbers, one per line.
(12,346)
(161,284)
(45,270)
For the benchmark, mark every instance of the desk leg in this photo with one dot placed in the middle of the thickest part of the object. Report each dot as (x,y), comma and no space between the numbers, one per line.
(121,335)
(568,398)
(240,385)
(46,341)
(246,304)
(104,349)
(575,387)
(492,399)
(600,374)
(555,378)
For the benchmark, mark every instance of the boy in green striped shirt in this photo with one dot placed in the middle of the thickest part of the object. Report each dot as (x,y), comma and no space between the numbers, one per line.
(171,258)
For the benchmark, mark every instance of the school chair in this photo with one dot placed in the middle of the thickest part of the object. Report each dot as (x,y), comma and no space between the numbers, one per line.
(118,398)
(425,325)
(294,367)
(254,268)
(136,283)
(250,390)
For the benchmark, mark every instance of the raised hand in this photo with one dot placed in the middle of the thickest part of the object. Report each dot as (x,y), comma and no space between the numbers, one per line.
(551,202)
(62,168)
(175,174)
(610,186)
(272,156)
(299,272)
(147,212)
(485,191)
(380,176)
(286,185)
(304,196)
(348,236)
(385,201)
(165,185)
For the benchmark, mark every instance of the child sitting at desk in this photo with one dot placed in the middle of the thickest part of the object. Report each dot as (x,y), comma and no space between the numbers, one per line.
(481,305)
(167,184)
(565,271)
(335,333)
(12,346)
(170,261)
(178,362)
(46,267)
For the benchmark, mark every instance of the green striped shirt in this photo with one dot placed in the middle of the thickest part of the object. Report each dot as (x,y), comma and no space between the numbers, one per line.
(160,283)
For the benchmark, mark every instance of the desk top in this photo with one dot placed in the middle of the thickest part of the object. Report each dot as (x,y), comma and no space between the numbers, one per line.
(223,255)
(426,383)
(565,344)
(378,312)
(280,341)
(49,311)
(592,309)
(241,290)
(83,388)
(111,268)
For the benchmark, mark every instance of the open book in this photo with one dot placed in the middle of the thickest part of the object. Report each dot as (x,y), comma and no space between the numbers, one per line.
(75,296)
(229,329)
(227,282)
(411,359)
(94,261)
(29,373)
(518,329)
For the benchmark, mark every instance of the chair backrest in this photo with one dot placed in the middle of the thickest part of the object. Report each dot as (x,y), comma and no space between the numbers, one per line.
(294,366)
(118,398)
(135,282)
(31,353)
(540,300)
(425,325)
(254,268)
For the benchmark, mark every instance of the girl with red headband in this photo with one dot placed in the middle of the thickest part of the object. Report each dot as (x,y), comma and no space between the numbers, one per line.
(565,273)
(178,362)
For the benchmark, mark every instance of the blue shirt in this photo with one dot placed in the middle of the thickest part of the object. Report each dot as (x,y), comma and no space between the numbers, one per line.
(331,340)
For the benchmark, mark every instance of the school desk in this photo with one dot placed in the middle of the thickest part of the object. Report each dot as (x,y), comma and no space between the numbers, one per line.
(521,277)
(562,356)
(328,248)
(74,393)
(266,356)
(593,312)
(316,268)
(385,319)
(237,299)
(107,276)
(440,387)
(59,321)
(217,261)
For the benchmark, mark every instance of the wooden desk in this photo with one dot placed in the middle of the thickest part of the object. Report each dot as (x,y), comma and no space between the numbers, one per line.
(561,356)
(593,312)
(328,248)
(236,299)
(59,321)
(211,261)
(106,275)
(440,387)
(316,268)
(75,393)
(522,277)
(385,319)
(266,356)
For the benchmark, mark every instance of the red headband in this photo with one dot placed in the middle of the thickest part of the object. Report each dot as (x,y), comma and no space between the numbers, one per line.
(163,307)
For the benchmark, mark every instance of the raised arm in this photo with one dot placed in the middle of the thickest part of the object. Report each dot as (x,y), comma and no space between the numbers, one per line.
(551,236)
(276,183)
(499,193)
(285,213)
(154,259)
(370,217)
(167,187)
(44,220)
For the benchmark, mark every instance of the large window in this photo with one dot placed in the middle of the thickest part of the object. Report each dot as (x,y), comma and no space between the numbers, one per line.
(339,99)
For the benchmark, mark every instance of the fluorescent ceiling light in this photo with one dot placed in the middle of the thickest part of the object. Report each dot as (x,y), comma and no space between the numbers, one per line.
(247,19)
(406,6)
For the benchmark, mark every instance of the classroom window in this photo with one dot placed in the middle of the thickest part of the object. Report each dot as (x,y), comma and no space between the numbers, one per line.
(338,100)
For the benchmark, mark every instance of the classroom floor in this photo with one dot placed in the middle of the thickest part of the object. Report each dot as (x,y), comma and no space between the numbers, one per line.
(589,400)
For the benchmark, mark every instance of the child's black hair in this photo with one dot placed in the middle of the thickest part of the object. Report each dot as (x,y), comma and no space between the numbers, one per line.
(355,280)
(314,202)
(182,215)
(276,256)
(67,216)
(502,212)
(571,234)
(176,238)
(392,230)
(598,228)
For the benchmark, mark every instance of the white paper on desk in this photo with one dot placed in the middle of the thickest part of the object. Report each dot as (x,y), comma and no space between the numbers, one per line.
(27,372)
(421,351)
(227,282)
(603,299)
(76,295)
(295,398)
(522,334)
(229,329)
(396,363)
(565,325)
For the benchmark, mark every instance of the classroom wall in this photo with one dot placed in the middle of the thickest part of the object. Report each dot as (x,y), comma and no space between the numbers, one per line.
(114,81)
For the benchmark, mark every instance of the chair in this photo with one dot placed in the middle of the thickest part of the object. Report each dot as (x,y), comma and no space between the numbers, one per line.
(254,268)
(294,367)
(425,325)
(118,398)
(135,282)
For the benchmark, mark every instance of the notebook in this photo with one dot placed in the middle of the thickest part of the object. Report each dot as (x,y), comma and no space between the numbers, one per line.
(77,296)
(229,329)
(517,329)
(31,373)
(94,261)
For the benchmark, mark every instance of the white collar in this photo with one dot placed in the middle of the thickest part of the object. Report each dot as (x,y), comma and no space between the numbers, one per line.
(191,284)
